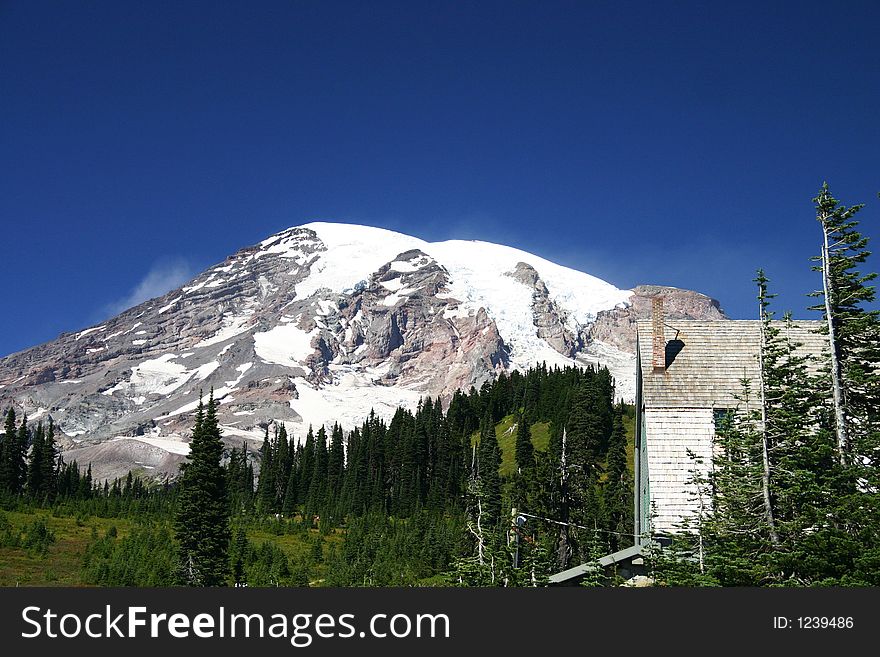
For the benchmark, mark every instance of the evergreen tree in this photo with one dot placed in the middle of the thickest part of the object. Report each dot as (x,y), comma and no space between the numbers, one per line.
(13,459)
(488,463)
(239,557)
(35,459)
(523,482)
(768,355)
(240,480)
(291,492)
(618,490)
(336,463)
(853,329)
(266,485)
(281,462)
(588,421)
(318,483)
(525,453)
(306,467)
(202,522)
(49,464)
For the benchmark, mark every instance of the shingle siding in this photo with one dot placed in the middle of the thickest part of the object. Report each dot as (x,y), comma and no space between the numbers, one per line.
(671,432)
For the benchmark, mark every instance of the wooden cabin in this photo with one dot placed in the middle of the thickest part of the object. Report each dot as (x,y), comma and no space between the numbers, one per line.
(689,374)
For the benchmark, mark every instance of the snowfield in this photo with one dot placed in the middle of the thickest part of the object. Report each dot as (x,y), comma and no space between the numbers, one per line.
(479,279)
(284,345)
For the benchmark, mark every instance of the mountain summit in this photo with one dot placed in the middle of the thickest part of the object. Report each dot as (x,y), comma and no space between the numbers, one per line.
(322,323)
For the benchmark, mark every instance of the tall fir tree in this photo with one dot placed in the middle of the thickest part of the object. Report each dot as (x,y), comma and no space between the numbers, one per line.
(589,427)
(306,466)
(336,463)
(318,484)
(24,440)
(851,325)
(618,488)
(266,484)
(35,459)
(488,463)
(768,355)
(524,454)
(13,456)
(202,521)
(50,463)
(525,451)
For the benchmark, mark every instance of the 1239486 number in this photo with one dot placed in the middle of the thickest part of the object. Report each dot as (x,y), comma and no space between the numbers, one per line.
(825,622)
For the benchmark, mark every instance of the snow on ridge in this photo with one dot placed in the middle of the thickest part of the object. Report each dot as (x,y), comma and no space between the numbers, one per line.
(160,376)
(580,293)
(166,444)
(355,252)
(478,278)
(348,401)
(284,345)
(170,305)
(231,326)
(36,415)
(82,334)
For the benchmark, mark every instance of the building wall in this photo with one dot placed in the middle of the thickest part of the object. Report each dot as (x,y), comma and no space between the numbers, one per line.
(642,492)
(668,435)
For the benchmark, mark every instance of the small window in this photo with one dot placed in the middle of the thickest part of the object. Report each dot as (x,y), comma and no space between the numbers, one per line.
(723,418)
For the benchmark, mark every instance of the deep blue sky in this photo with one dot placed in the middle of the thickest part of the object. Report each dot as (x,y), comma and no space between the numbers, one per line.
(675,143)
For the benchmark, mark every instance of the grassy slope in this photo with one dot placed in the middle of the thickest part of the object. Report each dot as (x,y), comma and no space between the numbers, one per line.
(505,432)
(63,565)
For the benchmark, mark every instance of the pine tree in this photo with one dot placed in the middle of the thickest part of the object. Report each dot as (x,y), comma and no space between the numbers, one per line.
(35,459)
(588,421)
(525,452)
(618,491)
(240,480)
(318,483)
(488,463)
(202,522)
(13,462)
(524,477)
(767,355)
(266,484)
(49,464)
(288,507)
(336,463)
(281,462)
(734,540)
(239,556)
(306,467)
(853,330)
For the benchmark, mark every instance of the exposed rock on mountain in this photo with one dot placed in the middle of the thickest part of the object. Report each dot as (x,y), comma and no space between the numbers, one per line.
(548,318)
(617,326)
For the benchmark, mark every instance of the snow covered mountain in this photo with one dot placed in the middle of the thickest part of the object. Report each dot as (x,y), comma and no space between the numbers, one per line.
(316,324)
